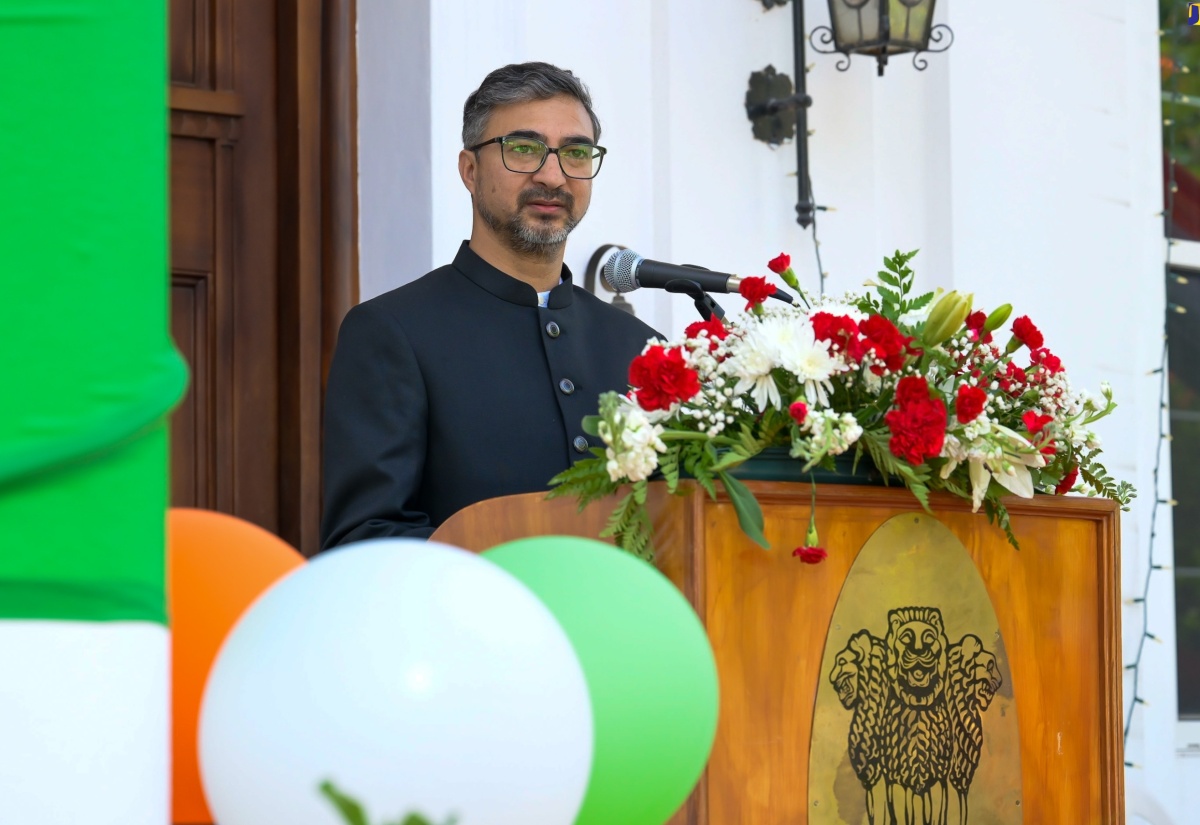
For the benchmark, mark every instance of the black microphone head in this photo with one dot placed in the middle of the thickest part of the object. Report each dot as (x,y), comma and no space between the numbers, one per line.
(619,270)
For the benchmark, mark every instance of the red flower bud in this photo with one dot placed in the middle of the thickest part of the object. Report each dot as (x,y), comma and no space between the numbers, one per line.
(1027,333)
(798,411)
(779,264)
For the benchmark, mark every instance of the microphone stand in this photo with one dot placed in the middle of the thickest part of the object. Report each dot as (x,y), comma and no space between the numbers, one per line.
(705,305)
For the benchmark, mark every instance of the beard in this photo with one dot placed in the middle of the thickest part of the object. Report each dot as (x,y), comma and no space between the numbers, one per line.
(533,236)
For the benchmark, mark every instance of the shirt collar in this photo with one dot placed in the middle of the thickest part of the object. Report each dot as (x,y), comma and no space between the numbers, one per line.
(506,287)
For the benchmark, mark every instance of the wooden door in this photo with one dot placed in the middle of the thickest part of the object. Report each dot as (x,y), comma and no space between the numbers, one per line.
(224,258)
(263,261)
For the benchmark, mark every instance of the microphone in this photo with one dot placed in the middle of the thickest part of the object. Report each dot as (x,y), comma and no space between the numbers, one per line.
(626,271)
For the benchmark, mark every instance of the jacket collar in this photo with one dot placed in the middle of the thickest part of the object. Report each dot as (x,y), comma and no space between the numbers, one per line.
(506,287)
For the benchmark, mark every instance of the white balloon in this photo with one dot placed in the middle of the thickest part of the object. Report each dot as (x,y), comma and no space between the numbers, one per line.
(416,676)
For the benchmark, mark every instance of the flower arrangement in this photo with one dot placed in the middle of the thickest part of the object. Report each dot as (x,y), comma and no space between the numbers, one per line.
(921,386)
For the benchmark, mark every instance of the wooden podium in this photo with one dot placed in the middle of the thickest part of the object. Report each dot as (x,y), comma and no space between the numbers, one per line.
(769,617)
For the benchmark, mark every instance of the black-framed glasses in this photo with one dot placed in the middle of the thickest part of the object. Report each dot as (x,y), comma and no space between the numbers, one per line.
(526,155)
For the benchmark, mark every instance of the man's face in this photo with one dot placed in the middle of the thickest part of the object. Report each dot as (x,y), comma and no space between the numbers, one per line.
(531,214)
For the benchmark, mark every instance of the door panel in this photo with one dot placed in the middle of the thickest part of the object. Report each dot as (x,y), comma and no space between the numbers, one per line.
(224,253)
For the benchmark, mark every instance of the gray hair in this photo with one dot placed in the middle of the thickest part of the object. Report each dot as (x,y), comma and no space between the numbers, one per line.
(521,83)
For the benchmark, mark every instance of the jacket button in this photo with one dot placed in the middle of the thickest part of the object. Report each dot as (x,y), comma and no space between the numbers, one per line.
(567,386)
(580,444)
(553,330)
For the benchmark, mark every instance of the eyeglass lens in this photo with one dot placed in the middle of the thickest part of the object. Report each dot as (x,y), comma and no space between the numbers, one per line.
(579,160)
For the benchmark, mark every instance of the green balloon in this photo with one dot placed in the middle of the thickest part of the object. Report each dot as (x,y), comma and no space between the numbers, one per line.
(648,665)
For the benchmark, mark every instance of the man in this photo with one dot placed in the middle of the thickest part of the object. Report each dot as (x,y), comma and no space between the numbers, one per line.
(472,381)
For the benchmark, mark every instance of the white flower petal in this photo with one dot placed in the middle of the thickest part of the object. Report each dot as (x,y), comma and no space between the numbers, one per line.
(1019,482)
(980,476)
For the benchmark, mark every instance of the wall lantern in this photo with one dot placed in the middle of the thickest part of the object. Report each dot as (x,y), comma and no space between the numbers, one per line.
(878,28)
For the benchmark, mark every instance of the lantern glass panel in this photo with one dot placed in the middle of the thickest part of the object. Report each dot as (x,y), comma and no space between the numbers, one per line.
(856,25)
(910,23)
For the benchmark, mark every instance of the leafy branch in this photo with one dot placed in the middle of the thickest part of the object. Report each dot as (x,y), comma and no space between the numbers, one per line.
(353,813)
(898,279)
(629,525)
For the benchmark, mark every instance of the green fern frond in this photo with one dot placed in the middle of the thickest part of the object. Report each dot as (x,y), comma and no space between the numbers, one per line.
(997,514)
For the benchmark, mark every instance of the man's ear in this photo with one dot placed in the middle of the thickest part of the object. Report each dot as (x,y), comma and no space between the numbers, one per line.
(468,166)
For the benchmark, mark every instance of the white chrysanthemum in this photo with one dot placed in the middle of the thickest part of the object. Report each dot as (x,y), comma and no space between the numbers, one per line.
(783,339)
(801,354)
(632,450)
(750,361)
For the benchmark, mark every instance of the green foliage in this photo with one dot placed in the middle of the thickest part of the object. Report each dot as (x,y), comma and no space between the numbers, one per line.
(895,291)
(349,808)
(354,814)
(668,465)
(1093,472)
(629,525)
(749,512)
(587,480)
(997,513)
(915,478)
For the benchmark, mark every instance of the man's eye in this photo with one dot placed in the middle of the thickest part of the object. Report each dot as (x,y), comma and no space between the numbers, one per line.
(579,153)
(522,148)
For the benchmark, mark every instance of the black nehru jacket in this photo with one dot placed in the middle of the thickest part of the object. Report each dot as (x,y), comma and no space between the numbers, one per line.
(458,387)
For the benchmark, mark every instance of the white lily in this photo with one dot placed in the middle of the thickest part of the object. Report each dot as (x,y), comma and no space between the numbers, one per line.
(1007,457)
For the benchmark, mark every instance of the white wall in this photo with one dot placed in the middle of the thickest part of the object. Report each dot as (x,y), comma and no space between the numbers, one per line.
(1024,163)
(395,181)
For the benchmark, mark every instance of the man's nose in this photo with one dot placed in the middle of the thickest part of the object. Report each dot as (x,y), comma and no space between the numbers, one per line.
(551,173)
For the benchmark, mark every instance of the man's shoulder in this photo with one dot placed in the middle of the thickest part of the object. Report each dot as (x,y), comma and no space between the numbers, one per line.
(430,286)
(614,318)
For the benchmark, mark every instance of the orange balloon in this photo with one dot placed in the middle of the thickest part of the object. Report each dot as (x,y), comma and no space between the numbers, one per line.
(217,565)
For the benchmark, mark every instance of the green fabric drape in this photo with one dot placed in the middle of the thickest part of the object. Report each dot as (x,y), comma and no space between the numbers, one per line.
(87,369)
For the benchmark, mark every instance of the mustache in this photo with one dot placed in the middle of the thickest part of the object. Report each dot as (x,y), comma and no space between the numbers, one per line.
(541,193)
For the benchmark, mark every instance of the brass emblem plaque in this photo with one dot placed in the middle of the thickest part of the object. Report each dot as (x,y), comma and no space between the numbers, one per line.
(915,722)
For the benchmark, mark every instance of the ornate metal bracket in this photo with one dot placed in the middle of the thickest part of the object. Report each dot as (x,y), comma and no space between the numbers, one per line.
(937,34)
(822,41)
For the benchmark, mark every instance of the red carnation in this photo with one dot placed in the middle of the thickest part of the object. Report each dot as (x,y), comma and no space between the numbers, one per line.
(1068,481)
(918,424)
(1027,333)
(717,331)
(975,322)
(662,378)
(841,331)
(810,555)
(1045,358)
(969,403)
(798,411)
(911,389)
(1035,422)
(886,341)
(780,264)
(755,290)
